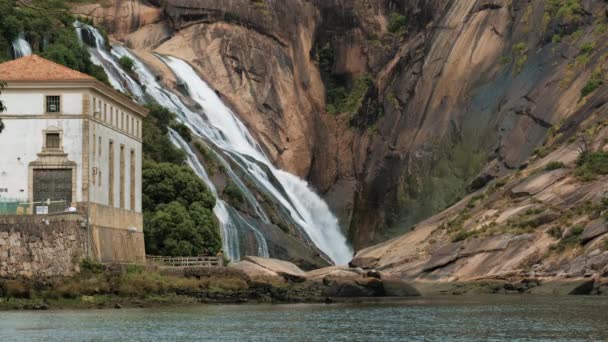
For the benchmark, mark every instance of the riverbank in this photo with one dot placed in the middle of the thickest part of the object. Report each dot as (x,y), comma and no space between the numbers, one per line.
(254,280)
(169,291)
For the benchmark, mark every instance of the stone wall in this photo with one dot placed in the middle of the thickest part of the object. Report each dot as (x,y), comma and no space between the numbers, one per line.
(41,246)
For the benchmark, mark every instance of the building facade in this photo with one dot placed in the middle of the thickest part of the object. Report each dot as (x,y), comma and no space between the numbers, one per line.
(71,143)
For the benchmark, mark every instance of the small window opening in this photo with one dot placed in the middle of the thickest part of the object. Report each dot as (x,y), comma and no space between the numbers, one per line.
(53,104)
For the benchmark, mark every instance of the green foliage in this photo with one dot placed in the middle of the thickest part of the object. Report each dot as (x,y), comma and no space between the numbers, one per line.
(520,53)
(176,230)
(555,232)
(178,211)
(156,143)
(398,23)
(572,239)
(587,47)
(591,164)
(182,130)
(126,63)
(233,194)
(90,265)
(567,11)
(164,183)
(554,165)
(47,25)
(594,82)
(341,100)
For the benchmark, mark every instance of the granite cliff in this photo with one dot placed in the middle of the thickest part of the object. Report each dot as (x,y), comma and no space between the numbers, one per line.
(395,110)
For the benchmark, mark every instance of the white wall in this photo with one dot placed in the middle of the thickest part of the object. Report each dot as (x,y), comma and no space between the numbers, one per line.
(99,192)
(28,102)
(22,140)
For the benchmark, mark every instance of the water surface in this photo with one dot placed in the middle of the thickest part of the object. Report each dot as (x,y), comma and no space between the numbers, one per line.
(492,318)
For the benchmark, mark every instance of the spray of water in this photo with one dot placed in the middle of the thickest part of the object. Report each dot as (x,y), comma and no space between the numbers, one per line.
(21,47)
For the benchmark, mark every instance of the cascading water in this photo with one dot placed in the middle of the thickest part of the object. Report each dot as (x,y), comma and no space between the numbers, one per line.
(306,208)
(216,124)
(221,209)
(21,47)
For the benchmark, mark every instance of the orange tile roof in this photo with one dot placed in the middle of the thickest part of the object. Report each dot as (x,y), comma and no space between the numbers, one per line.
(36,68)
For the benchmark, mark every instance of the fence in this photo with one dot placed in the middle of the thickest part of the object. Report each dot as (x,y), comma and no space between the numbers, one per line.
(16,207)
(203,261)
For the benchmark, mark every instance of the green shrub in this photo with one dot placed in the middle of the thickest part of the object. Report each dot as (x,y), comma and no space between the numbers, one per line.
(555,232)
(587,47)
(90,265)
(182,130)
(126,63)
(398,23)
(554,165)
(233,194)
(594,82)
(591,164)
(156,143)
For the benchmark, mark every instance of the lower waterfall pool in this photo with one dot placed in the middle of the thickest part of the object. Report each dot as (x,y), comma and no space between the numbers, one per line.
(449,318)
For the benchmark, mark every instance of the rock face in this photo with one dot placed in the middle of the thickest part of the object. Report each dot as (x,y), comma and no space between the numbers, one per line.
(461,93)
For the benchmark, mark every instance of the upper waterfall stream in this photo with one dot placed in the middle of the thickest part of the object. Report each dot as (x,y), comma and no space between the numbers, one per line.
(216,124)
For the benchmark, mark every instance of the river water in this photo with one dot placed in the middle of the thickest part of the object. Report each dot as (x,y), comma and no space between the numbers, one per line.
(491,318)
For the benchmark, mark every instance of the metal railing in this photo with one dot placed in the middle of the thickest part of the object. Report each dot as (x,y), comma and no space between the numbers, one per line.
(202,261)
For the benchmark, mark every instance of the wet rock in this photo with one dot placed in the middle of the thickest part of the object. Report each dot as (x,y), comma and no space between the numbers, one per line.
(398,288)
(584,288)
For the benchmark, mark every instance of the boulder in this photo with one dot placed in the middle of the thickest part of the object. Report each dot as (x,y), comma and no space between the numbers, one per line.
(533,185)
(257,273)
(347,288)
(364,262)
(341,274)
(353,287)
(398,288)
(284,268)
(594,229)
(319,274)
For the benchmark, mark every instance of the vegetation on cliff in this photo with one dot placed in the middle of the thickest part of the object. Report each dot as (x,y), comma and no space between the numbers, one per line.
(48,27)
(178,207)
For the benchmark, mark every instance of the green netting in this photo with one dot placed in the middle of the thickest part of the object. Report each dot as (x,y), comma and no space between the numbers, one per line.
(11,207)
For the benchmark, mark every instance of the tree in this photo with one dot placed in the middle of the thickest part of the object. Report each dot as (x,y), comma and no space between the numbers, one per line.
(156,145)
(175,230)
(178,211)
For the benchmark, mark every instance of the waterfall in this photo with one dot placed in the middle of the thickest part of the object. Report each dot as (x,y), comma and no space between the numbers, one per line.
(306,208)
(228,226)
(219,127)
(21,47)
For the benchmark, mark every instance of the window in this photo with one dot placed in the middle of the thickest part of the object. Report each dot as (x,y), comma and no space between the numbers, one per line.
(127,129)
(111,175)
(111,115)
(53,104)
(53,140)
(122,177)
(132,180)
(99,146)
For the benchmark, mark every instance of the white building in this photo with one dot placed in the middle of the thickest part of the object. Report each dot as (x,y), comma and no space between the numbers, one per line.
(71,141)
